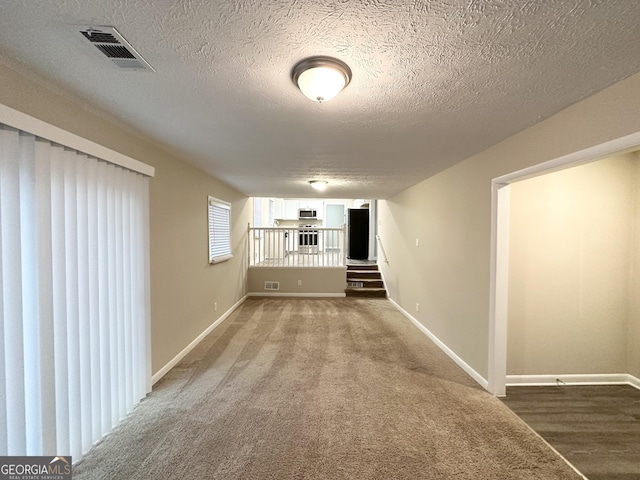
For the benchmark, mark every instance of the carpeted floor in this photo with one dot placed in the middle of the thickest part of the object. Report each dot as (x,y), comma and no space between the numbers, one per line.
(320,389)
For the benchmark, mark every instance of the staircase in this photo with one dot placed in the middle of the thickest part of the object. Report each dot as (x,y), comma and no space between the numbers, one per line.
(364,281)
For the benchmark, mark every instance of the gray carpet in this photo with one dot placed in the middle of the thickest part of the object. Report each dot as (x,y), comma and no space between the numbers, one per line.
(320,389)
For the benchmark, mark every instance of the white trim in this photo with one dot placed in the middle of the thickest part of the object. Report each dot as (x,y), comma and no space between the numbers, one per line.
(39,128)
(285,294)
(461,363)
(174,361)
(220,259)
(497,295)
(575,379)
(499,287)
(618,146)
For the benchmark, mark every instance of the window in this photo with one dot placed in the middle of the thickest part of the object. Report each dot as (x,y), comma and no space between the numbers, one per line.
(272,207)
(219,230)
(257,212)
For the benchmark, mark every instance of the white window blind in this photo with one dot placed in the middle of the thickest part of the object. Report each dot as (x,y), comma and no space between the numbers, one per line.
(74,296)
(257,212)
(219,230)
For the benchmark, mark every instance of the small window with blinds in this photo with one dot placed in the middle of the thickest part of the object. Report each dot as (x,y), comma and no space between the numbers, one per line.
(219,230)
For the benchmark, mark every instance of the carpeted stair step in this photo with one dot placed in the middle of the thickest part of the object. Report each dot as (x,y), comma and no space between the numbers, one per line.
(365,282)
(366,292)
(363,274)
(362,267)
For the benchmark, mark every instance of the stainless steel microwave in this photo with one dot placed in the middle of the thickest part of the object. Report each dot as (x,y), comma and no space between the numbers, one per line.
(307,214)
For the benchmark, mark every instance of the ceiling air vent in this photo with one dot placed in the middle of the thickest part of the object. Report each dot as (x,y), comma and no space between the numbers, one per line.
(113,46)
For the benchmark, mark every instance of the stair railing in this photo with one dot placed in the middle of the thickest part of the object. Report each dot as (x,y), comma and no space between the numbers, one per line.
(296,247)
(384,254)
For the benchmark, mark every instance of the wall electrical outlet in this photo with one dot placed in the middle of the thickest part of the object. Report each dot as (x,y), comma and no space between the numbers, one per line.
(417,242)
(215,306)
(299,282)
(417,307)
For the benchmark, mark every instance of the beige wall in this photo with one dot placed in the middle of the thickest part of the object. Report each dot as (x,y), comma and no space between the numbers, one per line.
(449,273)
(184,286)
(570,270)
(330,280)
(633,333)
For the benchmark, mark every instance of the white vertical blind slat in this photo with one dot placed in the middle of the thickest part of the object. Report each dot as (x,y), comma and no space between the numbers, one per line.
(103,297)
(136,284)
(127,231)
(145,274)
(113,297)
(30,323)
(72,301)
(74,296)
(118,225)
(59,290)
(45,297)
(94,307)
(4,142)
(12,296)
(84,259)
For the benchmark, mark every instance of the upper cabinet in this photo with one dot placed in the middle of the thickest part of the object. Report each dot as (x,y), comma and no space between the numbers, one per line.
(291,209)
(287,209)
(278,208)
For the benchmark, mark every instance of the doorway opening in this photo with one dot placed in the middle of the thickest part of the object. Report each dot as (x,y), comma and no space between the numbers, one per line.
(500,230)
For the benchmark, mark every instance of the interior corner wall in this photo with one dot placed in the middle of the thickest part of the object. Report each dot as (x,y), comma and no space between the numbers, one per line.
(184,286)
(569,270)
(633,333)
(448,275)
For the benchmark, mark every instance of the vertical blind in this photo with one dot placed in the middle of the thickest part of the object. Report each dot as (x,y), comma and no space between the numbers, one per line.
(219,230)
(74,296)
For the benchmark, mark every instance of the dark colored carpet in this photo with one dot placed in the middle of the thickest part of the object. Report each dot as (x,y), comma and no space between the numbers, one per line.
(320,389)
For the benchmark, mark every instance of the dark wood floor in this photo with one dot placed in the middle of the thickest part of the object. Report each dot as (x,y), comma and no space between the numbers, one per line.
(596,428)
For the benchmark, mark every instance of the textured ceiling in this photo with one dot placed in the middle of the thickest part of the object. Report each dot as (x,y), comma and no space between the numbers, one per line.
(433,81)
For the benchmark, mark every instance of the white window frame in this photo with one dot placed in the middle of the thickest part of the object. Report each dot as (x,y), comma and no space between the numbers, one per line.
(219,217)
(257,216)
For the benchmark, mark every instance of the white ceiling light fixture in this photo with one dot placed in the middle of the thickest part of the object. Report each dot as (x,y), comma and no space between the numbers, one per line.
(321,78)
(318,184)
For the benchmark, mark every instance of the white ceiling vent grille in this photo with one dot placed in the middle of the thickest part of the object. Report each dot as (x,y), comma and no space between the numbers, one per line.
(272,285)
(112,45)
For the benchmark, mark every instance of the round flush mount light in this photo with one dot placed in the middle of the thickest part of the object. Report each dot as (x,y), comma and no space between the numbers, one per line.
(318,184)
(321,78)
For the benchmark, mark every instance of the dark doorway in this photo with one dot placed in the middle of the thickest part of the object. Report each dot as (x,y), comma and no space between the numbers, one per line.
(358,233)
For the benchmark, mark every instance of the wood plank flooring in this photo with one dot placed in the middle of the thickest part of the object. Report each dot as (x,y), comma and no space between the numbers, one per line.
(596,428)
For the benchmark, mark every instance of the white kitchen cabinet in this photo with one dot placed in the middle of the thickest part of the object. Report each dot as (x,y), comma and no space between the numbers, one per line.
(291,209)
(278,208)
(317,205)
(287,209)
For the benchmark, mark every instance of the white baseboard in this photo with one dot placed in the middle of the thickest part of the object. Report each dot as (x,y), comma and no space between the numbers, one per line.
(577,379)
(284,294)
(174,361)
(461,363)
